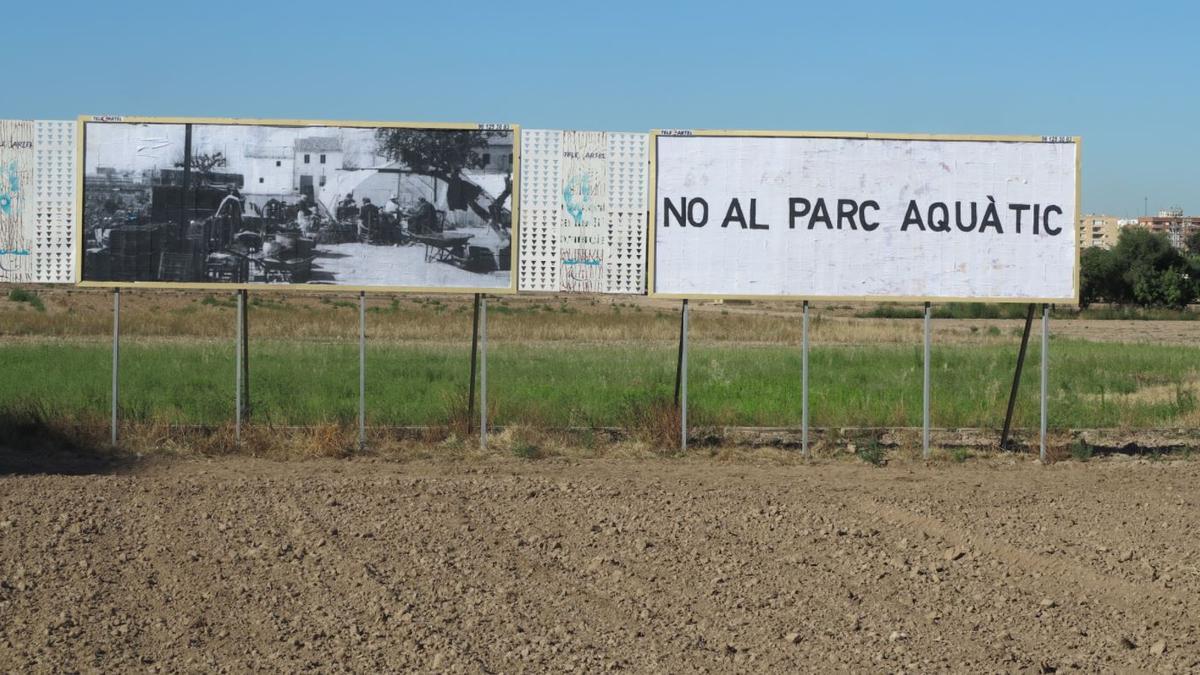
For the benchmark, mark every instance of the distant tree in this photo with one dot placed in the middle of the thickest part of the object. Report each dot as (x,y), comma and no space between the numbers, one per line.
(1099,276)
(204,162)
(1142,269)
(1192,243)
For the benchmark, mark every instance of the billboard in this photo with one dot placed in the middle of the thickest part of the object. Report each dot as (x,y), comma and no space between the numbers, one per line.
(583,211)
(198,202)
(864,216)
(37,201)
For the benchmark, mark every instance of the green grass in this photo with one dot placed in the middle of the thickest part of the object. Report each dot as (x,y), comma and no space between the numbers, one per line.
(556,385)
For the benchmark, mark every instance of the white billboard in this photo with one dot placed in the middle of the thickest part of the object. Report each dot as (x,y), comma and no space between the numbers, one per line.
(857,216)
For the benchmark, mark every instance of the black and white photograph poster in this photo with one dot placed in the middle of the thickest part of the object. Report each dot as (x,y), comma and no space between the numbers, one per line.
(169,202)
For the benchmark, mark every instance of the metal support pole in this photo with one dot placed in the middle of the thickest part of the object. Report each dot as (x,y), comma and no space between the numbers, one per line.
(804,382)
(483,410)
(116,361)
(1045,375)
(362,370)
(925,391)
(683,426)
(237,397)
(1012,396)
(679,358)
(246,407)
(474,354)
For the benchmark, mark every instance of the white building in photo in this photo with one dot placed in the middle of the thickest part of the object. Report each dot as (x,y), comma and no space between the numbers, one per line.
(269,169)
(498,158)
(316,158)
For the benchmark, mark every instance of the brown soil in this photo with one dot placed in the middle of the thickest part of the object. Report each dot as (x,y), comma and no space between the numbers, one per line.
(501,565)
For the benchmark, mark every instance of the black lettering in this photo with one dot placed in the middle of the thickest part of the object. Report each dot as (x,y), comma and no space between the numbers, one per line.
(734,214)
(990,217)
(912,216)
(691,210)
(958,217)
(795,214)
(846,209)
(754,224)
(939,224)
(862,215)
(820,214)
(1046,219)
(1019,209)
(669,209)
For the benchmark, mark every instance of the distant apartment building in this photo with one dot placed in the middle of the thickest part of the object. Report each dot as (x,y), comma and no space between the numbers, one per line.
(1097,230)
(1172,223)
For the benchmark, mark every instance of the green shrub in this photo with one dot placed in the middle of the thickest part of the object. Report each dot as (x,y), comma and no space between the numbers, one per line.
(892,311)
(29,297)
(527,450)
(872,453)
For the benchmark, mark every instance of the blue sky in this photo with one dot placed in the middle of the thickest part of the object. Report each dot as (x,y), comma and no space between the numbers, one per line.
(1126,78)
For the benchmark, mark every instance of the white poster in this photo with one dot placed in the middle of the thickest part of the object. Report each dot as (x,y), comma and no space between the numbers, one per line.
(815,217)
(583,203)
(37,201)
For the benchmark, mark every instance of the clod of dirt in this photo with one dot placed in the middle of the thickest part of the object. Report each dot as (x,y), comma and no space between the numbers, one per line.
(1148,570)
(1158,648)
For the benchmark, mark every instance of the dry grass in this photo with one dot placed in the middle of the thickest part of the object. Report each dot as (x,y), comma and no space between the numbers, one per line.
(87,313)
(29,435)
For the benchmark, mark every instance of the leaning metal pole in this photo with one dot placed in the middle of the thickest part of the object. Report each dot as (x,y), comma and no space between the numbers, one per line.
(1012,396)
(679,357)
(804,382)
(116,361)
(925,392)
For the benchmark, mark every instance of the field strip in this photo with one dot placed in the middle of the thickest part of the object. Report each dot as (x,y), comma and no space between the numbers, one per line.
(1113,589)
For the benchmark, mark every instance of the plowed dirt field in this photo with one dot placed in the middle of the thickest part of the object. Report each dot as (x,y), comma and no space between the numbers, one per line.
(673,566)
